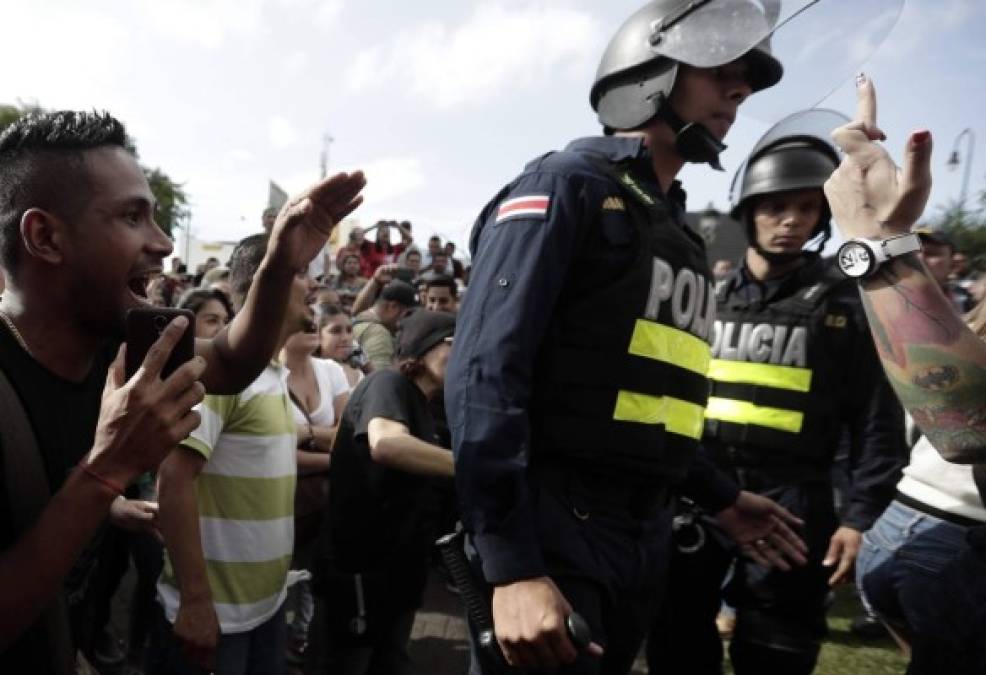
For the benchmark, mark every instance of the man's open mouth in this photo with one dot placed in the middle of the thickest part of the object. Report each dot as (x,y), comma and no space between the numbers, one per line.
(138,286)
(139,282)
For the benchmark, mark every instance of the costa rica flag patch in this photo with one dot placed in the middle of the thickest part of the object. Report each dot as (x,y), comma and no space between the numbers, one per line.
(531,206)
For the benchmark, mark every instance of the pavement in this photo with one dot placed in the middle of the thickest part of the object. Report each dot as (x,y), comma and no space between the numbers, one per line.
(439,639)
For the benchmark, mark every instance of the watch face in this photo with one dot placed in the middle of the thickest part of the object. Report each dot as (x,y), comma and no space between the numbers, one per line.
(855,259)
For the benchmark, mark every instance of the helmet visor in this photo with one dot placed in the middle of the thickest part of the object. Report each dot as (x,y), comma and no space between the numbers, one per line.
(719,31)
(815,125)
(821,49)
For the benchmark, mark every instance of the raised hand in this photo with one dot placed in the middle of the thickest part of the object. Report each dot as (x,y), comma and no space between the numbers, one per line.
(385,274)
(762,530)
(869,196)
(141,420)
(306,221)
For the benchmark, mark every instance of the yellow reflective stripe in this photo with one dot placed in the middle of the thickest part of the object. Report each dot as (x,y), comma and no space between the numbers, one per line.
(663,343)
(744,412)
(741,372)
(677,416)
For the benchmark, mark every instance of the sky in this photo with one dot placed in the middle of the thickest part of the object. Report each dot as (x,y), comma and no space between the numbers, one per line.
(441,102)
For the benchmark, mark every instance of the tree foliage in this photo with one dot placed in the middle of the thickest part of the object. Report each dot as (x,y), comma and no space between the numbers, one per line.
(966,227)
(172,201)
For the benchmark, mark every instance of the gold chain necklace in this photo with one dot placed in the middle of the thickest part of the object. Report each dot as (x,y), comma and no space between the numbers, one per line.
(16,333)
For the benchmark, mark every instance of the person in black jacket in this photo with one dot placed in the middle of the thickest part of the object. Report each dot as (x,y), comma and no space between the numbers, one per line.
(570,432)
(793,368)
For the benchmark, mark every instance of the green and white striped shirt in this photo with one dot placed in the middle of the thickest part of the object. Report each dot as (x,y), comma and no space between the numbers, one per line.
(245,497)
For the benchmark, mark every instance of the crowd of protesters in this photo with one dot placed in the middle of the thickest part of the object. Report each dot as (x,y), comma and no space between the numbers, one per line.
(381,314)
(616,423)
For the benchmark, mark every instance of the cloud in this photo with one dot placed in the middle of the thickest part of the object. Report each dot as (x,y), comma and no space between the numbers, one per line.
(391,177)
(296,62)
(388,178)
(242,155)
(921,20)
(281,132)
(327,12)
(205,22)
(496,49)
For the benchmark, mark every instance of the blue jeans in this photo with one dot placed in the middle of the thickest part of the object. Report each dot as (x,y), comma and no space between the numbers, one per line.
(899,566)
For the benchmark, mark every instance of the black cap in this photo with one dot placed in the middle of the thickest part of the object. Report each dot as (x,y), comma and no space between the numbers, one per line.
(421,330)
(934,235)
(399,291)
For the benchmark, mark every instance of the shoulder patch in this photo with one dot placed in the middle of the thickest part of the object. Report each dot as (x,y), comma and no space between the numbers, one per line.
(614,204)
(531,206)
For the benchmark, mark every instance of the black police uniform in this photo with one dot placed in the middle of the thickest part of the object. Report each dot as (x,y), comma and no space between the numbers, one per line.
(793,368)
(576,386)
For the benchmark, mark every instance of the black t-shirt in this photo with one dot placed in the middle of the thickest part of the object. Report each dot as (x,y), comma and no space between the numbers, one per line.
(377,519)
(63,416)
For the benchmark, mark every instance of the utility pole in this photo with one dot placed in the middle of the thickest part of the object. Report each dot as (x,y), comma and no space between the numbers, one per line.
(323,160)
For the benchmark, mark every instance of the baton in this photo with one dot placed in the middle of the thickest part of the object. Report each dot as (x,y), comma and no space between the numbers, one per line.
(474,596)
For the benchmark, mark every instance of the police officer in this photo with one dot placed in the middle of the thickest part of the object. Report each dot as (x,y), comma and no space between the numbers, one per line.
(793,368)
(577,387)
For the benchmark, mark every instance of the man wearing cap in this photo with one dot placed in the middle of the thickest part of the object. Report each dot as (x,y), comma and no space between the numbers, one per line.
(374,329)
(576,400)
(374,551)
(937,249)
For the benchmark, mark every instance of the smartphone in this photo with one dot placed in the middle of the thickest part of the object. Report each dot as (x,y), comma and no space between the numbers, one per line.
(405,274)
(144,326)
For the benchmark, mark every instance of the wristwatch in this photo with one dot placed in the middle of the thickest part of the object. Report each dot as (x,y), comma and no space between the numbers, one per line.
(860,258)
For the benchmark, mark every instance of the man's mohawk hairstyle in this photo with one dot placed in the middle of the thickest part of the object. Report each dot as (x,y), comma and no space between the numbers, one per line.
(63,130)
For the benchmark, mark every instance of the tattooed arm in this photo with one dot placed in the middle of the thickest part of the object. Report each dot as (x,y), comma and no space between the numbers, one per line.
(935,363)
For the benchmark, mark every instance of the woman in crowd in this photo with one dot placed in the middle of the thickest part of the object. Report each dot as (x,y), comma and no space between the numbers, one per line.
(335,335)
(211,308)
(924,530)
(382,251)
(319,392)
(355,245)
(349,278)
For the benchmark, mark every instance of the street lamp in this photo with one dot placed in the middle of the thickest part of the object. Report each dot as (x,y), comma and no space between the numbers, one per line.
(954,160)
(708,222)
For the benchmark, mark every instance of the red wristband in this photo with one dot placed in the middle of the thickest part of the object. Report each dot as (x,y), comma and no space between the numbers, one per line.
(111,485)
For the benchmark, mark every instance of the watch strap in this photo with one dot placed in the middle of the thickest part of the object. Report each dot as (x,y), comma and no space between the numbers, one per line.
(900,245)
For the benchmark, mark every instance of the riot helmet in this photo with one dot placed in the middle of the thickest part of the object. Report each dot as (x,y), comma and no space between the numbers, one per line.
(640,65)
(795,154)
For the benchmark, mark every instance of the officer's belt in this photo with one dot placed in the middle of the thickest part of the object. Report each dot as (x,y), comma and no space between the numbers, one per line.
(762,477)
(573,480)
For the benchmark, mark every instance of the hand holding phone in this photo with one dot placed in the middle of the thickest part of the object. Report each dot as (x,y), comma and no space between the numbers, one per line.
(143,417)
(144,327)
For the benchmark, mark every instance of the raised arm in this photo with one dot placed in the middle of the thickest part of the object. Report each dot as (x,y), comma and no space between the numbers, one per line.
(934,362)
(371,289)
(238,354)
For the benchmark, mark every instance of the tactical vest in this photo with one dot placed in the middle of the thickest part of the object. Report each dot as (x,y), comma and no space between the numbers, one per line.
(774,391)
(620,379)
